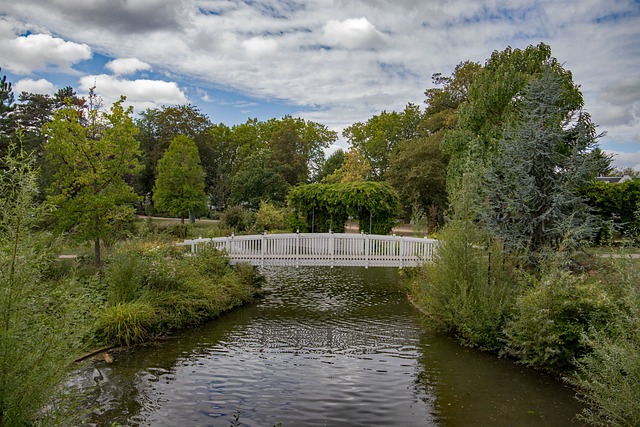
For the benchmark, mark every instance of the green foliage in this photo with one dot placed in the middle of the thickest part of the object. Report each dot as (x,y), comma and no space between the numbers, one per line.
(257,179)
(469,289)
(238,218)
(330,165)
(91,157)
(37,341)
(377,138)
(269,217)
(7,119)
(179,187)
(532,199)
(324,207)
(615,205)
(125,323)
(167,290)
(608,376)
(493,107)
(551,315)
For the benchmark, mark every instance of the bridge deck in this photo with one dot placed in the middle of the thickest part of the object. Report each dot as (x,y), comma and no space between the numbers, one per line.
(323,249)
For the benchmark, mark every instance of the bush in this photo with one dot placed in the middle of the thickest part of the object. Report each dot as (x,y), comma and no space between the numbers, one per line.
(269,217)
(550,317)
(609,375)
(238,218)
(153,289)
(468,290)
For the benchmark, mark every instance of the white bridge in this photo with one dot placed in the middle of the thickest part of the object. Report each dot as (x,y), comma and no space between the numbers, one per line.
(322,249)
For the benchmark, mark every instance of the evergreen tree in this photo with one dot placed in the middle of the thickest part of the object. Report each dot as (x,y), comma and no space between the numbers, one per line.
(179,187)
(532,187)
(7,119)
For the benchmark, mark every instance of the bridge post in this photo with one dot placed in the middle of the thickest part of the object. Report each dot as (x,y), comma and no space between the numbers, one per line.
(262,249)
(401,251)
(297,249)
(333,247)
(366,251)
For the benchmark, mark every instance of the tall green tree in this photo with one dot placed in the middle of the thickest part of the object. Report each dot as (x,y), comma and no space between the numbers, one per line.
(7,120)
(158,127)
(418,167)
(377,138)
(179,188)
(532,201)
(493,105)
(258,179)
(91,153)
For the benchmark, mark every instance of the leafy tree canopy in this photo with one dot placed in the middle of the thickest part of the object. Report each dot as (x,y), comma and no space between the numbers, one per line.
(179,188)
(91,152)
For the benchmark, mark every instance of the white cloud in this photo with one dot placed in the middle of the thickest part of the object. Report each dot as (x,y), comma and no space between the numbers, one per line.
(259,47)
(625,160)
(26,54)
(124,66)
(353,34)
(141,94)
(341,61)
(41,86)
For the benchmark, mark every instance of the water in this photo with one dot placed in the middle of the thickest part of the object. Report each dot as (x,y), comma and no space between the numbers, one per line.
(326,347)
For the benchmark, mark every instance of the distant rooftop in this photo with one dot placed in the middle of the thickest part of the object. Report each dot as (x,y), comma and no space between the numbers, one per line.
(614,179)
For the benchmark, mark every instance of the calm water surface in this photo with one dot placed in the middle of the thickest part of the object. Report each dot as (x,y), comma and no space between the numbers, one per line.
(326,347)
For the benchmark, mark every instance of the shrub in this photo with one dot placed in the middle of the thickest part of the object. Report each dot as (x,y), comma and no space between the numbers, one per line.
(238,218)
(468,290)
(550,317)
(269,217)
(609,375)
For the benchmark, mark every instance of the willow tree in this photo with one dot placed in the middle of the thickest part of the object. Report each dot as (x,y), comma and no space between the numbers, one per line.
(179,187)
(91,153)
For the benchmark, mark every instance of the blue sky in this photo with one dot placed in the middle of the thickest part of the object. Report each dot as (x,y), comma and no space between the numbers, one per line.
(335,62)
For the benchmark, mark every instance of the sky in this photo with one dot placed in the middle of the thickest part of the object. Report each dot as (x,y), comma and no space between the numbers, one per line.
(335,62)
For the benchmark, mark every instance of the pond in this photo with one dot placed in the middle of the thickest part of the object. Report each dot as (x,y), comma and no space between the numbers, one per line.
(325,347)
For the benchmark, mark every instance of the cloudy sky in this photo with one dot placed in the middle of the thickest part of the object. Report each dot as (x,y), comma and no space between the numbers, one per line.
(331,61)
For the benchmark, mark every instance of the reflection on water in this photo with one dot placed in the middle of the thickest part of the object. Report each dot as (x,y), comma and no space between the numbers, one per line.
(326,347)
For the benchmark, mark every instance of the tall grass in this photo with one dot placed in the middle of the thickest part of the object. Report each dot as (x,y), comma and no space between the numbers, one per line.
(155,288)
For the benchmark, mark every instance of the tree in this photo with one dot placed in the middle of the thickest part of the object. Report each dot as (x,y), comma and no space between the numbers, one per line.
(378,137)
(258,179)
(330,165)
(493,105)
(7,120)
(418,167)
(179,187)
(418,172)
(544,159)
(355,168)
(90,163)
(158,127)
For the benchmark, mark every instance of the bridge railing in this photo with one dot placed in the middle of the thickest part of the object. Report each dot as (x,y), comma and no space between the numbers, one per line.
(323,249)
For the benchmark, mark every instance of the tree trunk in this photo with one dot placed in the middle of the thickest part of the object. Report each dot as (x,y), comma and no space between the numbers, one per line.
(97,252)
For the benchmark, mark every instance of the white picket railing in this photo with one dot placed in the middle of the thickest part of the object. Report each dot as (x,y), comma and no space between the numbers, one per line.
(323,249)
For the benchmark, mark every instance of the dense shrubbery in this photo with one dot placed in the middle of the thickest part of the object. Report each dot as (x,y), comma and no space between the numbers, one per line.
(583,325)
(154,288)
(467,291)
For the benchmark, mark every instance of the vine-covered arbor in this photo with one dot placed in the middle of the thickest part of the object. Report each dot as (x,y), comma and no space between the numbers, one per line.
(326,207)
